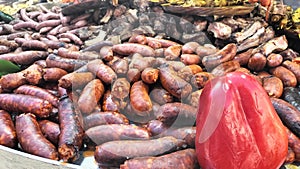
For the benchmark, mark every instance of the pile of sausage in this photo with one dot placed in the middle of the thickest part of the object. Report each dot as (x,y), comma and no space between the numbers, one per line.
(133,103)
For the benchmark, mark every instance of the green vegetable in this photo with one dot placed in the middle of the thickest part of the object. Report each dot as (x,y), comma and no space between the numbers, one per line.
(5,17)
(8,67)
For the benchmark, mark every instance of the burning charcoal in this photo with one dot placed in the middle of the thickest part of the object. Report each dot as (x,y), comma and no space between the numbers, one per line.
(171,29)
(199,37)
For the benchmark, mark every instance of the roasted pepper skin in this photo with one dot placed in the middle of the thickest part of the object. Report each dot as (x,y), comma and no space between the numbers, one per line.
(237,127)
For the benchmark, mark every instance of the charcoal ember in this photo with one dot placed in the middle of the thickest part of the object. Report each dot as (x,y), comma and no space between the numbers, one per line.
(144,19)
(186,24)
(220,30)
(119,11)
(142,5)
(124,30)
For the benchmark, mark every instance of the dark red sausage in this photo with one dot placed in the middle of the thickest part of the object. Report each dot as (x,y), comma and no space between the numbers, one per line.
(71,131)
(8,136)
(24,104)
(31,137)
(182,159)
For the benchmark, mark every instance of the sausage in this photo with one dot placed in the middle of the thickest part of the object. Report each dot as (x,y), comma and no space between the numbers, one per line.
(225,54)
(224,68)
(150,75)
(156,127)
(8,135)
(11,81)
(11,44)
(109,103)
(200,79)
(161,96)
(292,96)
(188,71)
(116,152)
(188,134)
(50,130)
(257,62)
(273,86)
(119,65)
(172,52)
(193,98)
(136,116)
(100,118)
(33,74)
(177,114)
(190,59)
(203,51)
(25,25)
(181,159)
(47,23)
(70,141)
(4,49)
(34,45)
(120,88)
(293,67)
(288,78)
(164,43)
(31,137)
(110,132)
(288,114)
(53,74)
(140,62)
(90,96)
(54,44)
(75,80)
(25,103)
(133,75)
(190,47)
(24,58)
(38,92)
(131,48)
(294,144)
(290,157)
(67,64)
(106,53)
(140,99)
(274,60)
(72,37)
(102,71)
(174,84)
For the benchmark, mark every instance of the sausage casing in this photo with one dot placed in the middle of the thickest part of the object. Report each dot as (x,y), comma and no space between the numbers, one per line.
(8,136)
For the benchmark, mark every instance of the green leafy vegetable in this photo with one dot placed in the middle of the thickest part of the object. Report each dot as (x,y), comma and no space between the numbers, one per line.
(8,67)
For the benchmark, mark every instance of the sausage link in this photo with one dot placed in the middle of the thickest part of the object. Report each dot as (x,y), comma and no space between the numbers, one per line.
(173,83)
(53,74)
(34,45)
(293,67)
(64,63)
(223,55)
(288,78)
(274,60)
(131,48)
(109,102)
(100,118)
(120,88)
(294,144)
(31,137)
(292,96)
(177,114)
(161,96)
(273,86)
(172,52)
(38,92)
(110,132)
(181,159)
(257,62)
(150,75)
(102,71)
(25,103)
(11,81)
(7,130)
(116,152)
(289,115)
(140,99)
(50,130)
(190,47)
(90,96)
(224,68)
(70,141)
(75,80)
(25,57)
(200,79)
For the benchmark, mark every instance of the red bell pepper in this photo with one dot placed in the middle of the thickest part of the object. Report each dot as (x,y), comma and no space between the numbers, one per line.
(237,127)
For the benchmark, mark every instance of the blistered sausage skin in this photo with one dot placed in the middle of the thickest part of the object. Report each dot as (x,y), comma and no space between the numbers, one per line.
(50,130)
(32,139)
